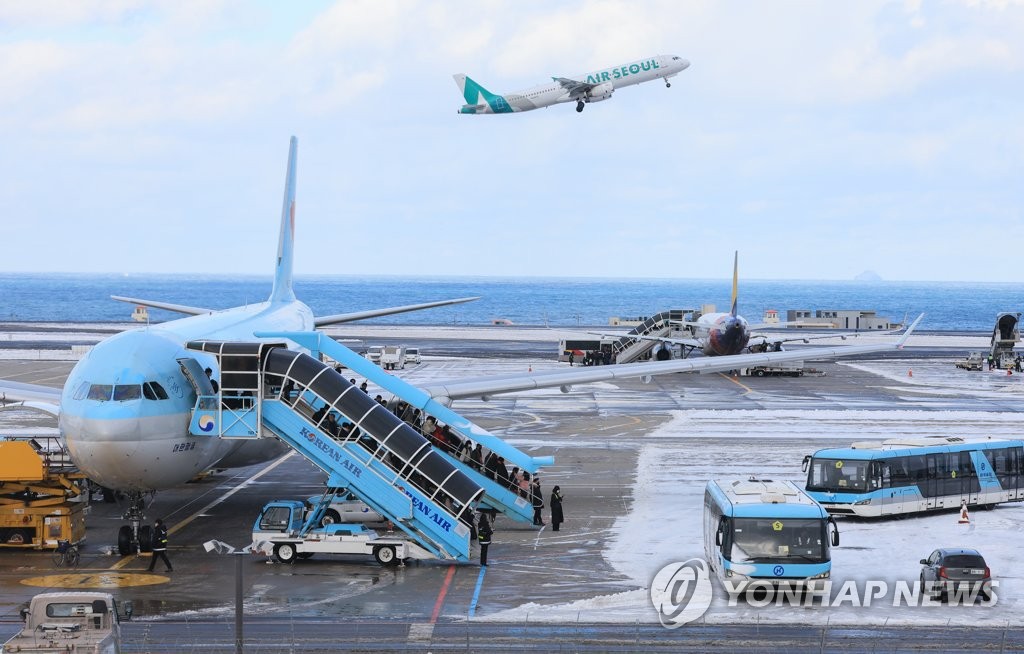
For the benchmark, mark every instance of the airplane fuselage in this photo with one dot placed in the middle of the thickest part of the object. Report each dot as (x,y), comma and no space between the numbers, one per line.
(126,406)
(604,83)
(723,334)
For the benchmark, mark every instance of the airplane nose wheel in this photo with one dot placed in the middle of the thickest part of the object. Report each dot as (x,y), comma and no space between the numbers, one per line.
(668,84)
(579,106)
(134,537)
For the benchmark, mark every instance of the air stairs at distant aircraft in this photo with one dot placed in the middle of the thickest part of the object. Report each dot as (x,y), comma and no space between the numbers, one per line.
(269,390)
(1004,336)
(628,348)
(495,496)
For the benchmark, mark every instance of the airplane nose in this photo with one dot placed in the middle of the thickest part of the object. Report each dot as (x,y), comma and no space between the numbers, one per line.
(684,64)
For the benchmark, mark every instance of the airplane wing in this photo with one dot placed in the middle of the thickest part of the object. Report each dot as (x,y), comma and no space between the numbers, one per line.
(374,313)
(573,87)
(33,396)
(486,386)
(770,338)
(179,308)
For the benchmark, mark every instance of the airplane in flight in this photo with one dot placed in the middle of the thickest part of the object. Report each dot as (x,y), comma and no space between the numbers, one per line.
(722,333)
(124,412)
(581,89)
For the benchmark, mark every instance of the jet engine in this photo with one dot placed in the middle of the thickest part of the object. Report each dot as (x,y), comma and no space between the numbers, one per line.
(600,92)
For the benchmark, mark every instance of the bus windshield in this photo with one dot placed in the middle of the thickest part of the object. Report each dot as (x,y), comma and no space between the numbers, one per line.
(838,476)
(771,540)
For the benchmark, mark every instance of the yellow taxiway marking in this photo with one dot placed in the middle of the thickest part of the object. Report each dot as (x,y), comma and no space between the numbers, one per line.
(99,579)
(181,525)
(736,381)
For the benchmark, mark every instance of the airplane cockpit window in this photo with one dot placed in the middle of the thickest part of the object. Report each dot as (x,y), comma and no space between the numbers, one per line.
(81,391)
(125,392)
(674,58)
(154,391)
(101,392)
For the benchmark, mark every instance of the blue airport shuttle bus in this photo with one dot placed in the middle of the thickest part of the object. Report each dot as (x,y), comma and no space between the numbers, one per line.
(759,530)
(900,476)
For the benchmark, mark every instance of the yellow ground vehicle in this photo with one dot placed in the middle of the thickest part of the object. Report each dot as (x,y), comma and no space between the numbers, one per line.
(42,498)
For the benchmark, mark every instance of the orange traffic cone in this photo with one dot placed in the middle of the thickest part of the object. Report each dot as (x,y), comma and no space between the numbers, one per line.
(965,518)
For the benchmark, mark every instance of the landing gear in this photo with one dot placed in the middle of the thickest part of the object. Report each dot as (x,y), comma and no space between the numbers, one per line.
(668,84)
(579,106)
(133,537)
(124,541)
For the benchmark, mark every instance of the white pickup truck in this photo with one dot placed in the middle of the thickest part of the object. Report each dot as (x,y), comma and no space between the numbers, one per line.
(70,622)
(373,353)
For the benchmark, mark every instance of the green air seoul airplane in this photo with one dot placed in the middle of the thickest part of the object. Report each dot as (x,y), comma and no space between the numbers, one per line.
(581,89)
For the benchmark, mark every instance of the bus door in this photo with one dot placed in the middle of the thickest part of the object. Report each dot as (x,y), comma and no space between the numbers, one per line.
(970,484)
(881,476)
(1013,469)
(931,488)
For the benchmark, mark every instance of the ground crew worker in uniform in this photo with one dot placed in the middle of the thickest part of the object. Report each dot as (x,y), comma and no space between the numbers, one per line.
(537,498)
(483,536)
(160,545)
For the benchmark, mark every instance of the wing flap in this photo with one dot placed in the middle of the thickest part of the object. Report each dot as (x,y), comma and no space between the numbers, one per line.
(575,88)
(390,311)
(167,306)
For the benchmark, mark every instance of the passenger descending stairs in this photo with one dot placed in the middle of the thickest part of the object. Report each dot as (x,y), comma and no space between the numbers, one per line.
(495,496)
(629,348)
(268,390)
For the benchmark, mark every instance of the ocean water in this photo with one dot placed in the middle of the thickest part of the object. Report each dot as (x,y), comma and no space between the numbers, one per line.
(525,301)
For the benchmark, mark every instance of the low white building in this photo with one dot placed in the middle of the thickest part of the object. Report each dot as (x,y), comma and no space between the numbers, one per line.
(838,319)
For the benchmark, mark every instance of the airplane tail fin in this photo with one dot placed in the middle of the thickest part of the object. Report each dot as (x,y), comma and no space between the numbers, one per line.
(735,281)
(282,291)
(470,90)
(477,97)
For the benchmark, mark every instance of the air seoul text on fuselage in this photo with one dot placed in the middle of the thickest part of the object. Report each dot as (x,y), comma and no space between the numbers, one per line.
(624,71)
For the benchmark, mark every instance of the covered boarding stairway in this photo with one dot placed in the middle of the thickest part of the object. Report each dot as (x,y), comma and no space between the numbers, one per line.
(267,389)
(631,347)
(496,496)
(1005,336)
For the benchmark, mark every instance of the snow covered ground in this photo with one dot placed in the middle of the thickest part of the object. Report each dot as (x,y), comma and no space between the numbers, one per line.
(663,522)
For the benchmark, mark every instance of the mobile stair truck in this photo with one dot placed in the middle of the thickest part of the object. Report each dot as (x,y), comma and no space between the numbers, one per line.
(70,621)
(290,530)
(268,390)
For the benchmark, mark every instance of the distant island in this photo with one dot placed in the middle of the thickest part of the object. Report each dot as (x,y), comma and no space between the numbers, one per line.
(868,276)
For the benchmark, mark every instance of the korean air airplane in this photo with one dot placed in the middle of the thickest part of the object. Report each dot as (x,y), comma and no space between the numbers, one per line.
(581,89)
(124,412)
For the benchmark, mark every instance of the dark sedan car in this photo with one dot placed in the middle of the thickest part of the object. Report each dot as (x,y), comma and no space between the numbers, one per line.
(956,572)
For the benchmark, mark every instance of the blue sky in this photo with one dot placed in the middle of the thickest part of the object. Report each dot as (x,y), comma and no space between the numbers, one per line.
(818,139)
